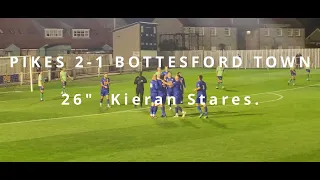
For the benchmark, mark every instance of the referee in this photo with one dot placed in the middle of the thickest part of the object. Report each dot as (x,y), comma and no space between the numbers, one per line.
(140,81)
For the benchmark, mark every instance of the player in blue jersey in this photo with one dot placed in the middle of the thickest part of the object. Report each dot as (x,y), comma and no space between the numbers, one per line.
(183,83)
(177,93)
(201,89)
(170,79)
(165,72)
(154,86)
(162,93)
(105,89)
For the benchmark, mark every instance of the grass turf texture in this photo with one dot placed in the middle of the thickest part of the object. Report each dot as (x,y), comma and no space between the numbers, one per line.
(283,127)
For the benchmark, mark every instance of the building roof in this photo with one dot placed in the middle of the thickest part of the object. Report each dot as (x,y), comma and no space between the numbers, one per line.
(109,22)
(206,22)
(309,31)
(20,32)
(28,33)
(81,23)
(99,34)
(129,25)
(293,22)
(133,20)
(50,23)
(185,22)
(315,31)
(235,22)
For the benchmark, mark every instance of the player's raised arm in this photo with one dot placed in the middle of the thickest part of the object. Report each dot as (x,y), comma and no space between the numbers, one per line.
(169,83)
(175,82)
(164,82)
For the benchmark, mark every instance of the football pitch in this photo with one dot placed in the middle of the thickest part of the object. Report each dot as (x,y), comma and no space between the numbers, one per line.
(284,126)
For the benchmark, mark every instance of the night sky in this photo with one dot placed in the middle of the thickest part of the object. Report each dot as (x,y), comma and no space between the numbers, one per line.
(132,20)
(310,24)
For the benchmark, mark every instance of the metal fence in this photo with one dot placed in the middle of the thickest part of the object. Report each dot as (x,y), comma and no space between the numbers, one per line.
(86,66)
(247,57)
(21,71)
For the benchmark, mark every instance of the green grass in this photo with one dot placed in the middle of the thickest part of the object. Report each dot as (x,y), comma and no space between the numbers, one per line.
(283,127)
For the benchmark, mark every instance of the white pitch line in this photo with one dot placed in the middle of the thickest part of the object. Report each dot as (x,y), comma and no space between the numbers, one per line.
(274,92)
(280,97)
(6,92)
(69,117)
(133,110)
(285,89)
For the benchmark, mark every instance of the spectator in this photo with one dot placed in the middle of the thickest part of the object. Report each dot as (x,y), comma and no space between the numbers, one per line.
(298,60)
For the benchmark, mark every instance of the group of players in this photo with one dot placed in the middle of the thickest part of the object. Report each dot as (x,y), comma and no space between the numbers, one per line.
(293,74)
(164,86)
(63,77)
